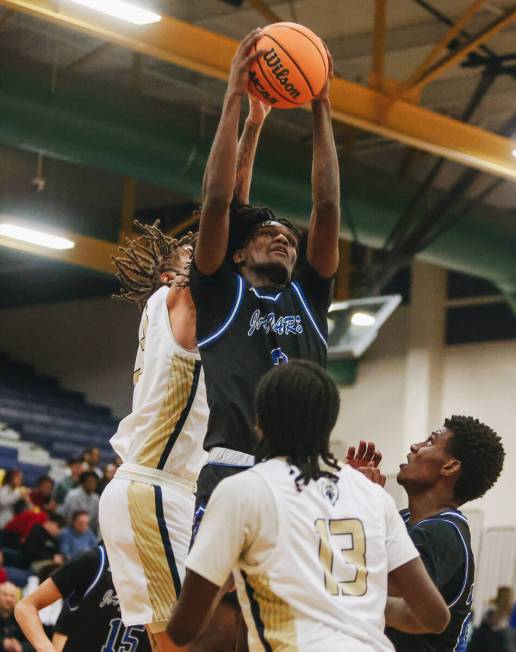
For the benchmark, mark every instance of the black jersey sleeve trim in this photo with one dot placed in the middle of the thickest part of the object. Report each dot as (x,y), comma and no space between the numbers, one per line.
(73,601)
(306,308)
(466,569)
(229,319)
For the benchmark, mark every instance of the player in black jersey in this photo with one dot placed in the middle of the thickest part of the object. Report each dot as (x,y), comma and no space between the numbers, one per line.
(90,620)
(454,465)
(253,311)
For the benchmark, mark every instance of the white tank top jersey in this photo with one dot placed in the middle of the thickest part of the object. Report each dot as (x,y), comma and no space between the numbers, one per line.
(311,566)
(167,425)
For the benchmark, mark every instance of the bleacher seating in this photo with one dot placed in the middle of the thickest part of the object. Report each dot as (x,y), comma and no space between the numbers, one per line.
(58,420)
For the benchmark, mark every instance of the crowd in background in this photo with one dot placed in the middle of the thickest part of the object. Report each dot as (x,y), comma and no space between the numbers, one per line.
(43,526)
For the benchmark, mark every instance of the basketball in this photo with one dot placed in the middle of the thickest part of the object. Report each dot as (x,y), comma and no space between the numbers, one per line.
(293,68)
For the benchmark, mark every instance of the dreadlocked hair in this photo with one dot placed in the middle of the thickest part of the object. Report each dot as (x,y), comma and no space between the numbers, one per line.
(296,406)
(480,452)
(145,258)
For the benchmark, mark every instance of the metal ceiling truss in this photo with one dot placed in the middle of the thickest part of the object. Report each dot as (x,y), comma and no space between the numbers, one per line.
(198,49)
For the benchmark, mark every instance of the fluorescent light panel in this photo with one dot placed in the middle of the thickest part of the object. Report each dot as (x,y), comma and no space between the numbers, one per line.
(35,237)
(514,153)
(362,319)
(123,10)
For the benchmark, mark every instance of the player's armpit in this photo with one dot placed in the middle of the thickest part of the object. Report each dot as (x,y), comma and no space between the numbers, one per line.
(420,608)
(193,608)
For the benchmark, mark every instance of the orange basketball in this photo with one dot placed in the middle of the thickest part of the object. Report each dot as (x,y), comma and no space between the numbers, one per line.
(293,69)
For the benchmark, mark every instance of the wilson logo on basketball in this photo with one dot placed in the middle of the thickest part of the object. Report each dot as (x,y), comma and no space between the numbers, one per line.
(273,61)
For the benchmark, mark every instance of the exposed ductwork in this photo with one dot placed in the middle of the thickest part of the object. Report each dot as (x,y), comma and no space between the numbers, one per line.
(131,135)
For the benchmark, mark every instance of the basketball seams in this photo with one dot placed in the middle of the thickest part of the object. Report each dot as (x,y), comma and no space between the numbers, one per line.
(275,90)
(317,47)
(293,61)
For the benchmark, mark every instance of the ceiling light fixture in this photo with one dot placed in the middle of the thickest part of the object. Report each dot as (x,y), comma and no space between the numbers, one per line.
(514,152)
(123,10)
(362,319)
(35,237)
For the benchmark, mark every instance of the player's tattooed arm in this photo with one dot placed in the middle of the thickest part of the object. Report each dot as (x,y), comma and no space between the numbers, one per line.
(258,112)
(323,230)
(220,175)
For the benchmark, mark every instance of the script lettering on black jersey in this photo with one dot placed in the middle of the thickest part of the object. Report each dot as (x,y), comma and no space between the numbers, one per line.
(283,325)
(109,598)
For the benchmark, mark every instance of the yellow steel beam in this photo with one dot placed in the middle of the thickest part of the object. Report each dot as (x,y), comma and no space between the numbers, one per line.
(376,78)
(198,49)
(265,11)
(88,252)
(443,43)
(463,52)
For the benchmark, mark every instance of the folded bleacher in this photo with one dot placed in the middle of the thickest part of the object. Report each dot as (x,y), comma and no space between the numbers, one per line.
(42,412)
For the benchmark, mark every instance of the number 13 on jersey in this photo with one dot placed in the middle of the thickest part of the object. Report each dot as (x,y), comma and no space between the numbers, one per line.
(346,575)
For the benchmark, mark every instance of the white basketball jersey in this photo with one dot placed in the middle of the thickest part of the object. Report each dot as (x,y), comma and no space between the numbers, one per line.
(167,425)
(323,585)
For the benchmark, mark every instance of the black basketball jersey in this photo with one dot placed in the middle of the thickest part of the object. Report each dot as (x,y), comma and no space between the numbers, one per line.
(242,332)
(91,613)
(444,544)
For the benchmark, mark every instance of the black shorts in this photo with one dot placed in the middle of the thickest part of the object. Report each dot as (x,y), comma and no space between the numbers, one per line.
(209,478)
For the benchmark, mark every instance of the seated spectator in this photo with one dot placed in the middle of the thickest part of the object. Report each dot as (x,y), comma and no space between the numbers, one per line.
(78,536)
(84,498)
(11,636)
(70,481)
(41,495)
(490,636)
(10,493)
(91,457)
(42,544)
(109,472)
(17,529)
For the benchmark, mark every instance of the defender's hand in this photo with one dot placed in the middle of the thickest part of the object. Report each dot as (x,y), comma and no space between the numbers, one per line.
(366,453)
(373,474)
(242,61)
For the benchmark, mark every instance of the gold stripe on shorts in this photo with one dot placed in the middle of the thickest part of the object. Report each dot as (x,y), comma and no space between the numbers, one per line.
(148,542)
(179,386)
(276,624)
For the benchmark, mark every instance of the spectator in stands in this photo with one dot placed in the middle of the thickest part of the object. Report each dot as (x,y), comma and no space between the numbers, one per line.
(11,636)
(109,472)
(10,493)
(91,457)
(77,537)
(490,636)
(42,544)
(84,498)
(24,519)
(41,495)
(70,481)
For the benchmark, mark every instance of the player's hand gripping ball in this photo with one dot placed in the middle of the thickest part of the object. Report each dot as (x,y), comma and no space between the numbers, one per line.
(292,69)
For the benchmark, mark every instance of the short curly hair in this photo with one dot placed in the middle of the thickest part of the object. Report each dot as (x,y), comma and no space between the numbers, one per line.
(480,451)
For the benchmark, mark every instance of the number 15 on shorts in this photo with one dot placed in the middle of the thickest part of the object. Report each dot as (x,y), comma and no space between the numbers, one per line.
(347,573)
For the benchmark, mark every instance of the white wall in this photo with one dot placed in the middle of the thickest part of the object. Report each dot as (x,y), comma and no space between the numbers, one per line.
(88,345)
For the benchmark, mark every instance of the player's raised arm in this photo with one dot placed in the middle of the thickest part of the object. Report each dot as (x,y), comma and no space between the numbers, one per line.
(258,111)
(323,231)
(220,175)
(421,607)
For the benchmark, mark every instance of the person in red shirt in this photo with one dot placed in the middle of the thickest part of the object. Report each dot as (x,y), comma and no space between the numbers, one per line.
(41,495)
